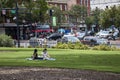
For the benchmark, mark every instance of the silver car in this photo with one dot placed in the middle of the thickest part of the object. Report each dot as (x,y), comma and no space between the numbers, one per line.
(72,39)
(93,40)
(104,34)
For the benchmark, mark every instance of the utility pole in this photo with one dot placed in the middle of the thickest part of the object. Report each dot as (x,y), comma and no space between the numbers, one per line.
(18,28)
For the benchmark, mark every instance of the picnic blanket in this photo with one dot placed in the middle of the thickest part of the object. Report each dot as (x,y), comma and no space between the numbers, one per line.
(40,58)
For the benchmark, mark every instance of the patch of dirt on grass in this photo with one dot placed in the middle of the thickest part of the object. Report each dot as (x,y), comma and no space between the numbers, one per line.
(37,73)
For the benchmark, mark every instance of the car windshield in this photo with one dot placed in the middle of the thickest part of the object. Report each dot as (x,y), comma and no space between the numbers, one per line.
(81,33)
(105,32)
(43,27)
(89,38)
(72,38)
(55,34)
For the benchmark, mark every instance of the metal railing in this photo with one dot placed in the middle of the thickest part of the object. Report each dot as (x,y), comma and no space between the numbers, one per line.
(42,44)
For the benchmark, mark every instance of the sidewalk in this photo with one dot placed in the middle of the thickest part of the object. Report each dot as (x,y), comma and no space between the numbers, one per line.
(115,42)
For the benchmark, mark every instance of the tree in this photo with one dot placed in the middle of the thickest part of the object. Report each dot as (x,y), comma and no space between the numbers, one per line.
(40,10)
(35,10)
(78,12)
(97,16)
(9,5)
(27,10)
(105,19)
(29,4)
(117,17)
(89,21)
(110,16)
(6,3)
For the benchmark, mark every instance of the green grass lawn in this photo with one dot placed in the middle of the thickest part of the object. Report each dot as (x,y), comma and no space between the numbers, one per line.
(78,59)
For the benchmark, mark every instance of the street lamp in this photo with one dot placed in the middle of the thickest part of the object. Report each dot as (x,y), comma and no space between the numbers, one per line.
(18,29)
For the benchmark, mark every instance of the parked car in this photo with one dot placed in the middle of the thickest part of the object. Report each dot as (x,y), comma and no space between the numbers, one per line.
(54,36)
(104,34)
(81,35)
(89,40)
(93,40)
(90,33)
(66,39)
(42,29)
(116,35)
(69,34)
(102,41)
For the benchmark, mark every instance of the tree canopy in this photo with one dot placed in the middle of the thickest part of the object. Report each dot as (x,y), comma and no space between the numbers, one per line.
(110,16)
(77,12)
(36,9)
(104,18)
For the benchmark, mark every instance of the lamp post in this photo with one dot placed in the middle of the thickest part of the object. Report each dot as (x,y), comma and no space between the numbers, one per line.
(3,12)
(18,28)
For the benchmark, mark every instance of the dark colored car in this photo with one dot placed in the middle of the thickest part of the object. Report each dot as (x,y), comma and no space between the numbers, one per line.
(54,36)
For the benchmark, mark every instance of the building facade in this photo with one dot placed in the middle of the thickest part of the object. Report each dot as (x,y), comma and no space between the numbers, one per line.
(61,5)
(66,5)
(102,4)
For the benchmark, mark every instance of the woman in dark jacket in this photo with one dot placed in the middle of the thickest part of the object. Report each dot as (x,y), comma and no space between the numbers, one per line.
(35,54)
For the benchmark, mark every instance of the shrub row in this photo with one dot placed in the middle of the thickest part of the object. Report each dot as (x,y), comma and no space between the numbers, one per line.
(6,41)
(71,46)
(85,47)
(105,48)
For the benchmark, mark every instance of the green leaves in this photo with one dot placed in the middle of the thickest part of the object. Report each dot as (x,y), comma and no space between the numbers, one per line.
(77,12)
(7,3)
(110,16)
(5,41)
(40,9)
(37,8)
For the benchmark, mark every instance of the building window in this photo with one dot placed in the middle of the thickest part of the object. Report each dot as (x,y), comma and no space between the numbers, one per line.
(61,7)
(86,3)
(55,5)
(65,7)
(80,2)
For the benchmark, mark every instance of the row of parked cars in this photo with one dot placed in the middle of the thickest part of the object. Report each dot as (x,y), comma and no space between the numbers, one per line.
(89,38)
(108,34)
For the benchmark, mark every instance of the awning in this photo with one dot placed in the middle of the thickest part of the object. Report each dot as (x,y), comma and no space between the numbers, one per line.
(8,25)
(11,25)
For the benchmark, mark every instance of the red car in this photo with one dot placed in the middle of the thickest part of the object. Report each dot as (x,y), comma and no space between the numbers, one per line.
(42,29)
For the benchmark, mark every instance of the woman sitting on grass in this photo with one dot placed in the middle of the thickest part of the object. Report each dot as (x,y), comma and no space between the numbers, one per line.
(45,54)
(35,54)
